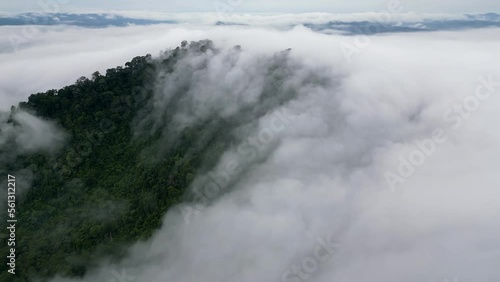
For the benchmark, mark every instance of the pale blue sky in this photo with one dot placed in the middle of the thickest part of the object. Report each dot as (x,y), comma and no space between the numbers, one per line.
(335,6)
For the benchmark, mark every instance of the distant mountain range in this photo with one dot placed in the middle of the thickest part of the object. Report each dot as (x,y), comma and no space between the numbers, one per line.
(469,21)
(367,27)
(84,20)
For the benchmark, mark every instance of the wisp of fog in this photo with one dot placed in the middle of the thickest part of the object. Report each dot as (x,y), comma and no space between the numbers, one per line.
(379,164)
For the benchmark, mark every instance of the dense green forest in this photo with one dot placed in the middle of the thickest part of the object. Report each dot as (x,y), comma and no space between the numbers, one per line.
(104,189)
(118,172)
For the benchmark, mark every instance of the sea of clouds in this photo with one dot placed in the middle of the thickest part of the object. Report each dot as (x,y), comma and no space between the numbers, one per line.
(383,169)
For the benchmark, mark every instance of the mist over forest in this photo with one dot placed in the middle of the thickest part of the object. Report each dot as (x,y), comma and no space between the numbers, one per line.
(150,146)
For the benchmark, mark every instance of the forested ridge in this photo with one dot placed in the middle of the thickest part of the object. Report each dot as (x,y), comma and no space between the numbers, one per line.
(129,154)
(106,188)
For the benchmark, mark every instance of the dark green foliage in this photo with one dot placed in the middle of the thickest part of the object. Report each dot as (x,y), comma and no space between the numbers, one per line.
(101,192)
(119,171)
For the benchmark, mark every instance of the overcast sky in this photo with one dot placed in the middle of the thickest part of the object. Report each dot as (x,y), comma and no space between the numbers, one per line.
(336,6)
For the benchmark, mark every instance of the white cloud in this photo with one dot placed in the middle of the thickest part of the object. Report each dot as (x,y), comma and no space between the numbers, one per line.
(325,172)
(28,53)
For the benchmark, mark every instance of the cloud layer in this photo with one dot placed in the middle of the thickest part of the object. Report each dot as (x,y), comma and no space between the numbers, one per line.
(323,178)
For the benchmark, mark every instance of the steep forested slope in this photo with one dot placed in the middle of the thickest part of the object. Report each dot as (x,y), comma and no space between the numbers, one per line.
(97,193)
(118,171)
